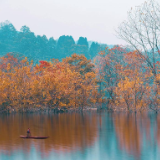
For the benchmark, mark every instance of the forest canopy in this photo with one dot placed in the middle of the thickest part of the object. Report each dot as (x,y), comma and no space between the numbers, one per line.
(37,47)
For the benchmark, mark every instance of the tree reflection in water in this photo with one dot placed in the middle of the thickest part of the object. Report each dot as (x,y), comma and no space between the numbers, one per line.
(128,133)
(67,132)
(136,133)
(94,136)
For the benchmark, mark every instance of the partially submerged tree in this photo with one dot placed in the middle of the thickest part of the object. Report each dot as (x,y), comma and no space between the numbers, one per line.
(142,32)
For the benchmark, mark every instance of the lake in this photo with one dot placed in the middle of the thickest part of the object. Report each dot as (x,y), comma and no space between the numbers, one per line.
(77,136)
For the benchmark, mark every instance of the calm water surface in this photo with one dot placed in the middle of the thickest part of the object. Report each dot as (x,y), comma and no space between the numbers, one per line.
(89,136)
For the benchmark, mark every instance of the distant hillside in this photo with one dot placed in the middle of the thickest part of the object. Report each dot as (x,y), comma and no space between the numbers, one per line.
(40,47)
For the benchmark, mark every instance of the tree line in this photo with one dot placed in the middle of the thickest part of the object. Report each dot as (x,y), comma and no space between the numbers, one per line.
(40,47)
(117,77)
(69,83)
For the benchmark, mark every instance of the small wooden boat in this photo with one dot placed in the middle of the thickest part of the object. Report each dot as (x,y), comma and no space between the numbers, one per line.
(32,137)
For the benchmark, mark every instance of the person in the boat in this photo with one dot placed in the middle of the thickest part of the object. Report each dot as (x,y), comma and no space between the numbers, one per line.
(28,132)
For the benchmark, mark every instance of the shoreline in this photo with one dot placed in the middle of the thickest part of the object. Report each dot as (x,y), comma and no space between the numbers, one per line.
(57,110)
(10,110)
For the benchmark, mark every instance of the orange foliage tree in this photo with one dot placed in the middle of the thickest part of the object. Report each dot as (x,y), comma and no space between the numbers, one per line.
(126,79)
(49,84)
(132,91)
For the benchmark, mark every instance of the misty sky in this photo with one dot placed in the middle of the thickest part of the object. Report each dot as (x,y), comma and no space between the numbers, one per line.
(95,19)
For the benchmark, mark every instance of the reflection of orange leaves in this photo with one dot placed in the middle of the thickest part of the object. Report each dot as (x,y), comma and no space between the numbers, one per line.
(72,127)
(128,134)
(158,130)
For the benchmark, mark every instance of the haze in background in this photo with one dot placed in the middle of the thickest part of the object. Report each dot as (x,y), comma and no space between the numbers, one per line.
(94,19)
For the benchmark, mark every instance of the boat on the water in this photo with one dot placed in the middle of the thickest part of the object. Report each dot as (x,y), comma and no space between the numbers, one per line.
(33,137)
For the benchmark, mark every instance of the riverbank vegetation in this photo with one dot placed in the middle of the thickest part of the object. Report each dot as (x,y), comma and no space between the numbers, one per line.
(121,78)
(70,83)
(118,78)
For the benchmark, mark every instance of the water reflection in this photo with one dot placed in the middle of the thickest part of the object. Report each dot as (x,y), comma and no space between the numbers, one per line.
(128,133)
(67,132)
(137,134)
(81,136)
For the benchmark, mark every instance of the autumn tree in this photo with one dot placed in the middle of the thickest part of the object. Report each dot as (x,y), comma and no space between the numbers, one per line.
(80,63)
(63,84)
(84,83)
(142,30)
(108,67)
